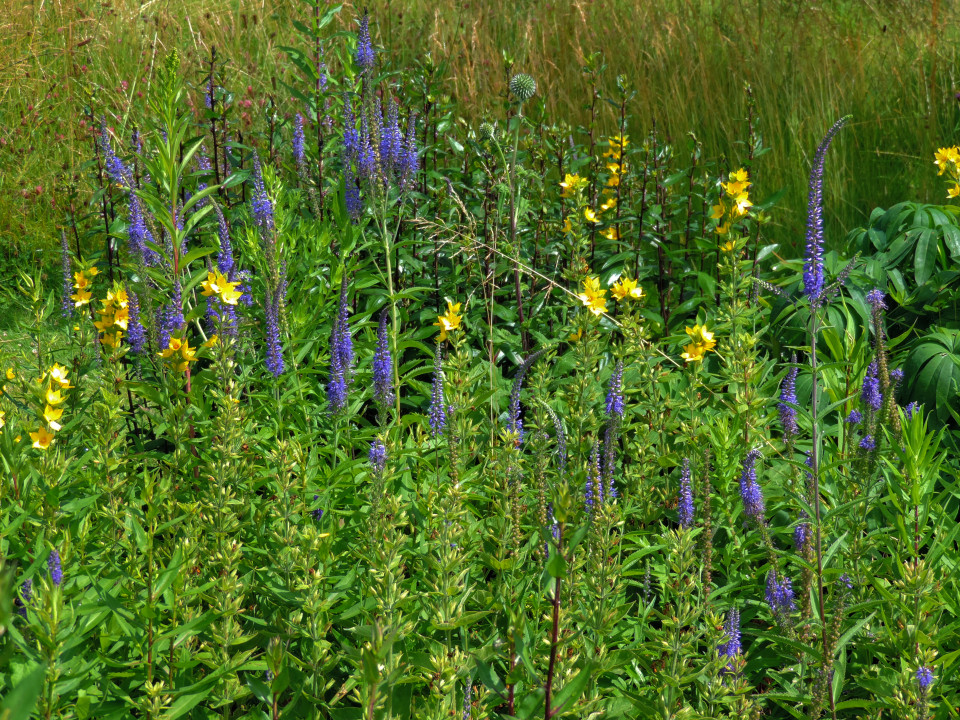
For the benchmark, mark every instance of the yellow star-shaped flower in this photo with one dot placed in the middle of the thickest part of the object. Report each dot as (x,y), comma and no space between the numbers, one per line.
(591,216)
(953,192)
(81,297)
(742,203)
(41,438)
(113,339)
(946,156)
(11,375)
(450,321)
(572,184)
(567,225)
(625,288)
(593,296)
(52,415)
(611,233)
(58,374)
(54,397)
(717,212)
(218,284)
(702,343)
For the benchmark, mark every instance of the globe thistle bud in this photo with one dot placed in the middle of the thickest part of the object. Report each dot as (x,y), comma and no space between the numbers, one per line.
(523,87)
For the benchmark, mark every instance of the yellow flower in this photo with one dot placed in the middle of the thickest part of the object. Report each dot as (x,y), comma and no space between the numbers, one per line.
(723,228)
(717,212)
(613,181)
(740,176)
(92,272)
(611,233)
(590,215)
(113,339)
(81,297)
(450,321)
(953,192)
(81,281)
(609,204)
(41,438)
(617,144)
(54,397)
(2,416)
(52,414)
(212,342)
(122,317)
(946,156)
(742,203)
(625,288)
(58,374)
(614,170)
(181,347)
(738,183)
(571,185)
(693,352)
(104,323)
(11,375)
(217,284)
(592,295)
(702,343)
(728,246)
(567,225)
(574,337)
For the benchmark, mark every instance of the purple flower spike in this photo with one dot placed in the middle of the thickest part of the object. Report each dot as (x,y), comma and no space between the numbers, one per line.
(383,390)
(875,298)
(365,57)
(593,490)
(731,649)
(813,275)
(685,502)
(56,571)
(615,404)
(438,407)
(788,397)
(779,595)
(750,491)
(924,678)
(868,443)
(870,393)
(378,457)
(855,417)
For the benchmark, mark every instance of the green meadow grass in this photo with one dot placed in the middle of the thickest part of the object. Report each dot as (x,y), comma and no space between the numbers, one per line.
(889,64)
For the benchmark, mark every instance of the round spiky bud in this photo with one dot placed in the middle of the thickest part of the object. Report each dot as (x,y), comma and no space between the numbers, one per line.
(487,131)
(523,87)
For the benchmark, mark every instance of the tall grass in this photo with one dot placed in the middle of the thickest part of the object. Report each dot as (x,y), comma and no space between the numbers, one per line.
(890,64)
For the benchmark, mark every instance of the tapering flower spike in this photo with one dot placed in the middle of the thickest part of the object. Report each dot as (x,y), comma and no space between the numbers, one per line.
(813,274)
(685,501)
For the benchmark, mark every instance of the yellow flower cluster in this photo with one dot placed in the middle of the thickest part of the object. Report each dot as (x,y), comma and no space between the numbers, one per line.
(735,201)
(701,342)
(82,280)
(114,317)
(217,284)
(948,160)
(571,185)
(450,321)
(618,143)
(54,397)
(179,352)
(593,296)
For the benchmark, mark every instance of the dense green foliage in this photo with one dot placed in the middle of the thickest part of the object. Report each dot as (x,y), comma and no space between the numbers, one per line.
(370,413)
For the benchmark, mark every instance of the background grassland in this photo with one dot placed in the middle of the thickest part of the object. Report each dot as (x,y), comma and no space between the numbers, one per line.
(892,64)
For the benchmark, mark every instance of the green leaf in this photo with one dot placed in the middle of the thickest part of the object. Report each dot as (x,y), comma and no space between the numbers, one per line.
(18,704)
